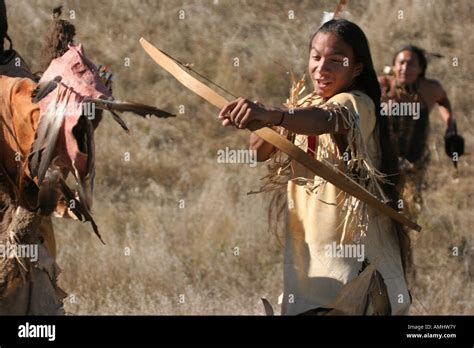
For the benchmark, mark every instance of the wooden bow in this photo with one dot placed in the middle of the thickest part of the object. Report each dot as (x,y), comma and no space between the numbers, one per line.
(329,174)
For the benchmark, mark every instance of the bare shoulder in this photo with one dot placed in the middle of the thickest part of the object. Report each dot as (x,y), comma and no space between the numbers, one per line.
(432,90)
(432,86)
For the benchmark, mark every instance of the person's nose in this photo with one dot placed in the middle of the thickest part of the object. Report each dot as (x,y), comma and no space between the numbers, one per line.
(403,68)
(323,66)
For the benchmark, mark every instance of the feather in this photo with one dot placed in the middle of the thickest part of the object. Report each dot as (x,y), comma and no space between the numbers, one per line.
(84,191)
(44,145)
(48,195)
(44,88)
(339,8)
(49,142)
(79,209)
(91,152)
(337,14)
(57,11)
(70,197)
(268,307)
(119,120)
(136,108)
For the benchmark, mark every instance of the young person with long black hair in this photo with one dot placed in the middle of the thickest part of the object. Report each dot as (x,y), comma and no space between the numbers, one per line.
(331,236)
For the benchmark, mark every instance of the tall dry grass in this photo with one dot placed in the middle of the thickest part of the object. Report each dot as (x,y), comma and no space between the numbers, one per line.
(163,258)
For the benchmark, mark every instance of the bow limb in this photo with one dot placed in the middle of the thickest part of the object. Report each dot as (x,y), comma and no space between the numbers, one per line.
(182,76)
(333,176)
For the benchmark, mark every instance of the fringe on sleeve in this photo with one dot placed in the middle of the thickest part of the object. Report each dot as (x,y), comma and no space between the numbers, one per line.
(355,163)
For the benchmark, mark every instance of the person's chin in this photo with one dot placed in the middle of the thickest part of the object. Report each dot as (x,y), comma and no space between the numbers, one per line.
(405,82)
(324,93)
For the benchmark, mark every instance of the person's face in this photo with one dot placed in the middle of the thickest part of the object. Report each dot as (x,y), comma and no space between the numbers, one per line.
(407,68)
(331,64)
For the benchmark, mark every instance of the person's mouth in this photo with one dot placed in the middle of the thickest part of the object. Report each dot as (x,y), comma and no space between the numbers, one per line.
(323,84)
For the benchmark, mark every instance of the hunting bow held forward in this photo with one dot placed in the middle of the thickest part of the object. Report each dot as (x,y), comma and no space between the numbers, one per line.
(336,178)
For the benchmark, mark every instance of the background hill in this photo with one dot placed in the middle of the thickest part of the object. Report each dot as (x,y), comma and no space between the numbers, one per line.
(216,250)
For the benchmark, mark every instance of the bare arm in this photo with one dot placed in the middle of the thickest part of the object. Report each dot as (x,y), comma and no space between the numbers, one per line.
(309,121)
(264,149)
(313,121)
(444,105)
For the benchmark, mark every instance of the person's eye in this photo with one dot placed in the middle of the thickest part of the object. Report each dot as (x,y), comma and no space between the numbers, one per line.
(316,58)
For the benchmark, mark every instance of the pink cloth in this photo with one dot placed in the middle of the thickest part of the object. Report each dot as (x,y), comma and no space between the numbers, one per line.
(80,79)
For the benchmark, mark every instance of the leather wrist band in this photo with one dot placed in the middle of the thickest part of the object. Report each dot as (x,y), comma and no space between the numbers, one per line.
(281,120)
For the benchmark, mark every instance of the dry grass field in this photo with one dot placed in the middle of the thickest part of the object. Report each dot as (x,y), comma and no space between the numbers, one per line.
(182,236)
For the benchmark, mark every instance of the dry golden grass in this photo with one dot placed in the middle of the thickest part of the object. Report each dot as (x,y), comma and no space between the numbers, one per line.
(190,251)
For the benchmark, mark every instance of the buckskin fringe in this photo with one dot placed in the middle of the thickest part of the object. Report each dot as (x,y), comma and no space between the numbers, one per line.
(357,162)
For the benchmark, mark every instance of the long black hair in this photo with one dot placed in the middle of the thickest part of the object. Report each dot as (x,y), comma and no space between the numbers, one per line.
(367,82)
(3,26)
(420,54)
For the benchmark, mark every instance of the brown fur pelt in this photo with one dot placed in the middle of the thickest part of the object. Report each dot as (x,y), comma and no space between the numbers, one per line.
(60,35)
(17,226)
(27,287)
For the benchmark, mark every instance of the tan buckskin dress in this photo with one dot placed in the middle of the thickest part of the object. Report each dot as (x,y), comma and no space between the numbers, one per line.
(320,214)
